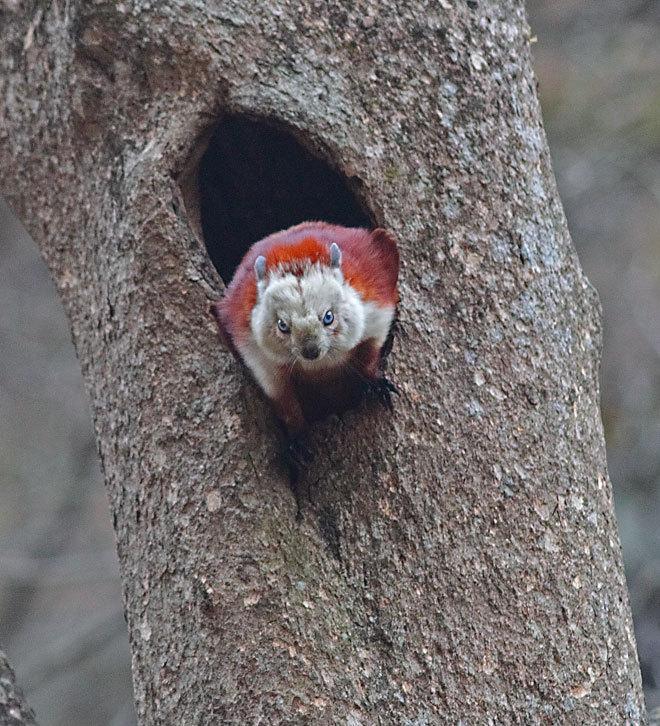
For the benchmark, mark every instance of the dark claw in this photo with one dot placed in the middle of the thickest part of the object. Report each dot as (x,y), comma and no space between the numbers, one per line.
(381,390)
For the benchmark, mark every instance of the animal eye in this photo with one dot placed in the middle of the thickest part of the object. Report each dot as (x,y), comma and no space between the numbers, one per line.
(328,318)
(282,326)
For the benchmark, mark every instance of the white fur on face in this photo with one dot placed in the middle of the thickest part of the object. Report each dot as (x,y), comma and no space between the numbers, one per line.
(301,302)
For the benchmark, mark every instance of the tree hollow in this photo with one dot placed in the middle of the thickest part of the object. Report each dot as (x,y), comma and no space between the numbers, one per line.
(256,178)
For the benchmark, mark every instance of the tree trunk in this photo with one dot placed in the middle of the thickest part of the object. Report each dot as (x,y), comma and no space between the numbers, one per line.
(457,559)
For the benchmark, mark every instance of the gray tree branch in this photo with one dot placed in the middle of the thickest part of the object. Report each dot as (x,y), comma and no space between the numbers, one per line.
(14,710)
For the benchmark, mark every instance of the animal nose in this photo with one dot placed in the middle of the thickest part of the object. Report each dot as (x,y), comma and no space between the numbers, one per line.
(310,351)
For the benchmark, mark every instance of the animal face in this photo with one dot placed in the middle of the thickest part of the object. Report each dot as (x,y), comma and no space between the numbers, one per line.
(314,319)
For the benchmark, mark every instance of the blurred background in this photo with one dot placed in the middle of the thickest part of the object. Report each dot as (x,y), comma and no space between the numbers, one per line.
(61,621)
(598,67)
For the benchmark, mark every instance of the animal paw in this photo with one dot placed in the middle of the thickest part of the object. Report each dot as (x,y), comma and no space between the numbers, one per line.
(381,390)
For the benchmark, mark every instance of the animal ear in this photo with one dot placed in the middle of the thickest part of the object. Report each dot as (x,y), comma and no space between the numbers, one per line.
(386,242)
(260,268)
(335,255)
(385,247)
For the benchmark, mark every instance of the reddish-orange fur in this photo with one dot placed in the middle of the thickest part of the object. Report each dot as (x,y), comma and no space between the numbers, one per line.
(294,255)
(370,264)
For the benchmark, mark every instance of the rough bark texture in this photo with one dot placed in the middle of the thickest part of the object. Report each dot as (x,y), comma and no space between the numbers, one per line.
(14,710)
(458,560)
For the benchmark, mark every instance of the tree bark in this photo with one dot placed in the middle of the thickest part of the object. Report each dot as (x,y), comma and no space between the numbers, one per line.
(14,710)
(458,560)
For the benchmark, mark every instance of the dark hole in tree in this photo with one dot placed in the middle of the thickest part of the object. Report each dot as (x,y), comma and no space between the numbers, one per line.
(256,178)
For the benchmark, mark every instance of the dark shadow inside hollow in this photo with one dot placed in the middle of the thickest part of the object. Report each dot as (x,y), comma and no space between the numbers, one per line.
(256,178)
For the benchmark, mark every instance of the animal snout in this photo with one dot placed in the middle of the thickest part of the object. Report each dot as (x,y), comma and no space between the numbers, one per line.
(310,351)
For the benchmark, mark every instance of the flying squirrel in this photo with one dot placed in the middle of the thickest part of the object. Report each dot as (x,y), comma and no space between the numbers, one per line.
(309,311)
